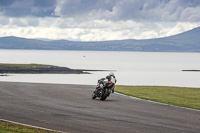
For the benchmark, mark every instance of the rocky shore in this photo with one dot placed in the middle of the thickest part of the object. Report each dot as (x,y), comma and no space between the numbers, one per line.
(191,70)
(37,69)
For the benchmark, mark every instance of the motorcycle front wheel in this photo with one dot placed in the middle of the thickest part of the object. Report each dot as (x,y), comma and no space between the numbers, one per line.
(93,95)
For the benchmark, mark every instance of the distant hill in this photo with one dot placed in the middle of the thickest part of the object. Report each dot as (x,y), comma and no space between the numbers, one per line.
(185,42)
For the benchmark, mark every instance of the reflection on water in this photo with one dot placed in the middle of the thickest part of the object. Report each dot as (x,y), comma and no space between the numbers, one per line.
(132,68)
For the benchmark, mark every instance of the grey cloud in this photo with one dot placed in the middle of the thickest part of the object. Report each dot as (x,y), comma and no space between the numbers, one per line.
(78,8)
(157,10)
(6,2)
(137,10)
(4,20)
(21,8)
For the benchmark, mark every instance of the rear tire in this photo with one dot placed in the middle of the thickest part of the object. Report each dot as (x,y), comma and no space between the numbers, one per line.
(105,95)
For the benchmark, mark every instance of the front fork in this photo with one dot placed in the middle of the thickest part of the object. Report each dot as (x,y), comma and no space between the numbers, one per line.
(99,92)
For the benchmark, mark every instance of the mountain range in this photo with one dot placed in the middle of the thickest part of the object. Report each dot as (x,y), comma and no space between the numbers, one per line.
(188,41)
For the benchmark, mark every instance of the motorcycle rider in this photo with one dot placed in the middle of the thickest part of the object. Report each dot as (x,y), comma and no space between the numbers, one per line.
(109,79)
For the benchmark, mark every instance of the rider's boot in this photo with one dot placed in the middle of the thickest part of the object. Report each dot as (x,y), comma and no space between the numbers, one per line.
(113,90)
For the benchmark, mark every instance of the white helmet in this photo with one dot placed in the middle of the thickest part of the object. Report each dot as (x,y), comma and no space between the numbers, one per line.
(111,74)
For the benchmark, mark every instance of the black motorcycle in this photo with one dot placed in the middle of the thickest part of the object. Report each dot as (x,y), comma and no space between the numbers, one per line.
(102,90)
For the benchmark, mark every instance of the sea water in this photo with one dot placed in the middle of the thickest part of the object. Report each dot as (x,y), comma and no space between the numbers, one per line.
(130,68)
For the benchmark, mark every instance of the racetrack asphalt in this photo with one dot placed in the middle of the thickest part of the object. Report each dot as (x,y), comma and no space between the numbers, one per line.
(70,108)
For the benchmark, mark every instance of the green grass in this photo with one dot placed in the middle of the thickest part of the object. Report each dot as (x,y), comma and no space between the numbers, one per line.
(179,96)
(7,127)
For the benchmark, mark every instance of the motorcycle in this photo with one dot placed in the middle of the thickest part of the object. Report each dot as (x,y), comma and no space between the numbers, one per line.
(103,89)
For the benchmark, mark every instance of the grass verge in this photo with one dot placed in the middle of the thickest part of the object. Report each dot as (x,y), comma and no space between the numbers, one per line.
(7,127)
(179,96)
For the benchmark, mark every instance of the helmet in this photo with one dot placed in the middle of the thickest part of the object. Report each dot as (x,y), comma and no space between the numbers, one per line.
(111,74)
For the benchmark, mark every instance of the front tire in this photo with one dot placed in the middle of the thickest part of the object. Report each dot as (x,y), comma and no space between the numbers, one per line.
(93,95)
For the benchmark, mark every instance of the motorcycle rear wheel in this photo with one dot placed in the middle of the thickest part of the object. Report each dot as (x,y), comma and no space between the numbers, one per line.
(105,95)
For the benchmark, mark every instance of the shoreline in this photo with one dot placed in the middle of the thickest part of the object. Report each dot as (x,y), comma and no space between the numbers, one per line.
(37,69)
(191,70)
(6,69)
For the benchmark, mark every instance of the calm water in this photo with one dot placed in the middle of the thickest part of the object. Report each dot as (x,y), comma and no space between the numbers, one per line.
(132,68)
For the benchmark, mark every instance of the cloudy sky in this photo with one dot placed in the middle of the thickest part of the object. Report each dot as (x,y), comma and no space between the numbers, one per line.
(97,20)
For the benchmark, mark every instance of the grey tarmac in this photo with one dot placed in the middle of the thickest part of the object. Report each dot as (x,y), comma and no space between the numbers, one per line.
(70,108)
